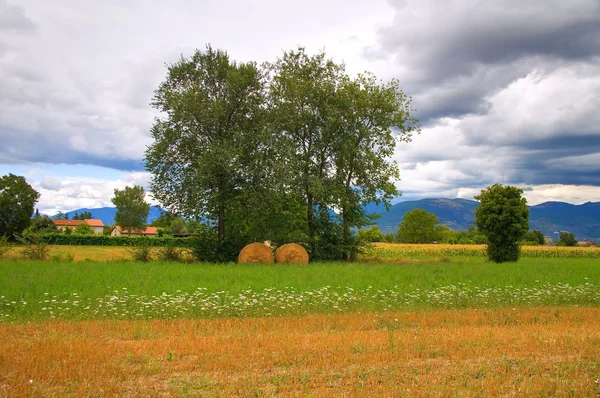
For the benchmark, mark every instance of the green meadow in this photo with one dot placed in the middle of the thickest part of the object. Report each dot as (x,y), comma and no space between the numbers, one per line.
(130,290)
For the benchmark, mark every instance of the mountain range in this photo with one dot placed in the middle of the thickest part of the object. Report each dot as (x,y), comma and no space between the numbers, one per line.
(550,217)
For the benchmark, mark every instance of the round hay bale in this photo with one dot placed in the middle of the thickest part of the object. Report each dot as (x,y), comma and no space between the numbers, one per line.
(291,253)
(255,253)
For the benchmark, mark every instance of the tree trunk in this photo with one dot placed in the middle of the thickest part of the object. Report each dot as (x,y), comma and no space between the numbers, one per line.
(346,231)
(221,222)
(310,219)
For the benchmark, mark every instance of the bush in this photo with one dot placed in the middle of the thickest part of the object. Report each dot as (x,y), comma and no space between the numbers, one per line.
(83,229)
(169,253)
(5,246)
(36,248)
(207,247)
(503,217)
(63,257)
(142,252)
(330,244)
(566,239)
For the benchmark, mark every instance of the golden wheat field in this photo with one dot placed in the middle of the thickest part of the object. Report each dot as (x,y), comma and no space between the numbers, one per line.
(396,250)
(470,353)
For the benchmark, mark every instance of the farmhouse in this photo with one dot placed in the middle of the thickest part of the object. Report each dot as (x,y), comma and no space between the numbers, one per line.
(96,225)
(149,231)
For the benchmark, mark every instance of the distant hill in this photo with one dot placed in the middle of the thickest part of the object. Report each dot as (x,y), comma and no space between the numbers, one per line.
(550,217)
(458,214)
(107,214)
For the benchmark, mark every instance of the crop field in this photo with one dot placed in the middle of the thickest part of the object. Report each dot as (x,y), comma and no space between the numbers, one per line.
(550,351)
(403,326)
(396,250)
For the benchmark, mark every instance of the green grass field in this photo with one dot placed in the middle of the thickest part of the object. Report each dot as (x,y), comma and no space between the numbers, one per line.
(129,290)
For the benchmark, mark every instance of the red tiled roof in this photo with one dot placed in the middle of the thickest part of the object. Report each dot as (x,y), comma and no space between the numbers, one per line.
(74,223)
(147,231)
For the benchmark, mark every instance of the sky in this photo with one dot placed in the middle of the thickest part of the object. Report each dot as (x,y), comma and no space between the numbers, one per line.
(506,91)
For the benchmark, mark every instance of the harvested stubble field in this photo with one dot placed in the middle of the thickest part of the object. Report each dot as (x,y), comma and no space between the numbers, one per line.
(435,326)
(507,352)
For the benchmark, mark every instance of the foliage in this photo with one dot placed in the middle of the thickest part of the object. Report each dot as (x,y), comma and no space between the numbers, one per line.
(208,149)
(17,200)
(170,224)
(41,224)
(503,216)
(207,247)
(170,253)
(35,247)
(370,235)
(337,136)
(259,152)
(142,251)
(390,237)
(86,215)
(372,118)
(107,240)
(419,226)
(566,239)
(536,237)
(83,229)
(5,246)
(331,244)
(61,216)
(132,209)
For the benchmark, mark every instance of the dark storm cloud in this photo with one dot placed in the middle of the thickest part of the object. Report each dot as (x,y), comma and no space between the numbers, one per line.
(475,47)
(520,80)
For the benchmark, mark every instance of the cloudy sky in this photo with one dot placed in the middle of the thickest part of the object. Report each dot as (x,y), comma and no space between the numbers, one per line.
(506,91)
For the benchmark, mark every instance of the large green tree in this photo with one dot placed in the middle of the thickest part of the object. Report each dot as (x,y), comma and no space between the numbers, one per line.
(339,134)
(302,98)
(373,117)
(17,200)
(503,217)
(419,226)
(209,142)
(132,208)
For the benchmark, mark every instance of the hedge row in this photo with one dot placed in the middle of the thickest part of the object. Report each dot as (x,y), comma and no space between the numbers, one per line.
(122,240)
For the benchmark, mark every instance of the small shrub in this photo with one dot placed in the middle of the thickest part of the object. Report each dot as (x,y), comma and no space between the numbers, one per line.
(207,247)
(63,257)
(5,246)
(36,248)
(169,253)
(142,252)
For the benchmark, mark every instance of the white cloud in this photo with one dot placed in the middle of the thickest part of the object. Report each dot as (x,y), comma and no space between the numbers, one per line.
(51,184)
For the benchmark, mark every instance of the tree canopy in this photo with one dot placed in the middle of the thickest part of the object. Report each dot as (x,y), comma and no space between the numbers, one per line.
(503,216)
(567,239)
(17,201)
(271,152)
(207,143)
(132,208)
(419,226)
